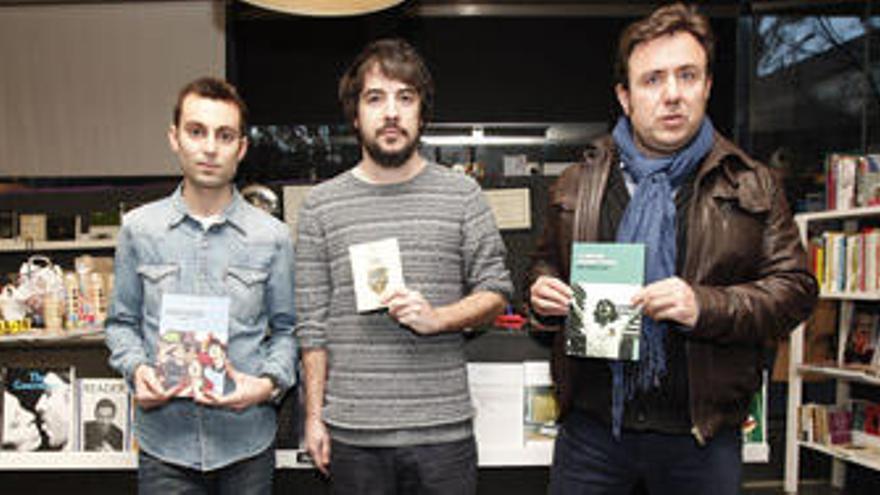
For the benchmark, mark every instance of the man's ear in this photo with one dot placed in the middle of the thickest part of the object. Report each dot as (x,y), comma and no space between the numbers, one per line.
(242,150)
(172,138)
(622,97)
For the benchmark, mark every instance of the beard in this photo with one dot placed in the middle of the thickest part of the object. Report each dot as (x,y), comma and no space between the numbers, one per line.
(391,159)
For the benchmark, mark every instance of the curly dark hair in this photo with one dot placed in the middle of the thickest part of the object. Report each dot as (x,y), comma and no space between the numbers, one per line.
(397,59)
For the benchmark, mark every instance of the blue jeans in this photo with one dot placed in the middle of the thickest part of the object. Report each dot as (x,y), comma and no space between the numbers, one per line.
(589,461)
(251,476)
(436,469)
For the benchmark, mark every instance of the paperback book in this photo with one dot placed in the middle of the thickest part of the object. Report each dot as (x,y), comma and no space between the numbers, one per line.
(191,354)
(375,268)
(38,409)
(104,415)
(602,323)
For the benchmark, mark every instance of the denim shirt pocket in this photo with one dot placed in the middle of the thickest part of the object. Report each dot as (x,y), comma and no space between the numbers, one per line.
(157,279)
(246,288)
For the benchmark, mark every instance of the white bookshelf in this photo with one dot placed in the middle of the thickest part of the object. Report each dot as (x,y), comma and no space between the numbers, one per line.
(532,454)
(41,337)
(23,246)
(852,375)
(847,220)
(862,457)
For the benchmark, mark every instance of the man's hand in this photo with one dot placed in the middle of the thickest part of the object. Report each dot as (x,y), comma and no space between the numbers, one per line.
(670,299)
(148,389)
(410,308)
(249,390)
(550,296)
(317,440)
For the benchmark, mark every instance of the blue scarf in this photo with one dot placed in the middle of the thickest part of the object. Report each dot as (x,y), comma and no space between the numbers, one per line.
(650,219)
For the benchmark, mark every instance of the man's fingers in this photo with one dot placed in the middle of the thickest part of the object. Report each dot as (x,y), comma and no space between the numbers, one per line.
(321,456)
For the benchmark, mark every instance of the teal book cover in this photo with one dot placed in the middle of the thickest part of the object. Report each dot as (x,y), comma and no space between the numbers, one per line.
(601,322)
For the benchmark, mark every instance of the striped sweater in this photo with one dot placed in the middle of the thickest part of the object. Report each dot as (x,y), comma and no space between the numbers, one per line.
(387,385)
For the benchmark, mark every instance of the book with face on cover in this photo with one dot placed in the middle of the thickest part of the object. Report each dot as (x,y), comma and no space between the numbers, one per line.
(375,268)
(191,354)
(601,322)
(39,409)
(104,415)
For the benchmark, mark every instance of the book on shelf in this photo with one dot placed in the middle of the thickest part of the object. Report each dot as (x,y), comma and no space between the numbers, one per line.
(601,322)
(839,426)
(39,411)
(191,354)
(104,415)
(825,424)
(852,180)
(846,262)
(872,419)
(860,342)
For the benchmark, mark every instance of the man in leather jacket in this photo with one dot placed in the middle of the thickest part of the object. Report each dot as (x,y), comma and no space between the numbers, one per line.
(725,274)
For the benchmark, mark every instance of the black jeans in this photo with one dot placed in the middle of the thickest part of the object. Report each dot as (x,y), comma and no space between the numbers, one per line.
(436,469)
(588,461)
(251,476)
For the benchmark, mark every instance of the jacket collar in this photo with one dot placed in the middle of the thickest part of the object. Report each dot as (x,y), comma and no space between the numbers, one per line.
(233,214)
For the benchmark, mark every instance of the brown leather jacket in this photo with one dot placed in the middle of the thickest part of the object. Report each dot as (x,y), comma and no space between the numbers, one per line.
(744,261)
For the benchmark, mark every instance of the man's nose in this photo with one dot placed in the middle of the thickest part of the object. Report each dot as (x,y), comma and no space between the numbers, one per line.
(392,110)
(671,89)
(210,143)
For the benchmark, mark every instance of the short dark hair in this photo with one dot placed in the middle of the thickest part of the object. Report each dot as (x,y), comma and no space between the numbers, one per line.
(398,60)
(213,89)
(105,402)
(666,20)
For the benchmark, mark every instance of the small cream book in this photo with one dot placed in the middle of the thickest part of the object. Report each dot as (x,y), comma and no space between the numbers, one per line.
(375,268)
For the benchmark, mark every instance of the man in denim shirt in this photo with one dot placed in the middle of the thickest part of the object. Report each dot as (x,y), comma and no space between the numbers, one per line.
(205,240)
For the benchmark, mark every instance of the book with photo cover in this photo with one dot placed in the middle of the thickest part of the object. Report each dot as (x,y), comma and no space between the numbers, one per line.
(39,409)
(601,322)
(861,338)
(191,354)
(375,268)
(104,415)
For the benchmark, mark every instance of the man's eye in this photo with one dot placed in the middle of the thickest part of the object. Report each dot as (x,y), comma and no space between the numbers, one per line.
(652,80)
(196,132)
(227,137)
(407,98)
(373,98)
(688,75)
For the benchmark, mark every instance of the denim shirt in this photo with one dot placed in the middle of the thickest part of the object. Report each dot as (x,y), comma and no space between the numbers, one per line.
(247,256)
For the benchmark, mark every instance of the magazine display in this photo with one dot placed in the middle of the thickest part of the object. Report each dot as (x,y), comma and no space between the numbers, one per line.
(540,407)
(191,354)
(375,268)
(38,409)
(104,415)
(601,322)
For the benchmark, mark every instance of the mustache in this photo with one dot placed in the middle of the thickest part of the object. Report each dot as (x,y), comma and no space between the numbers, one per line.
(392,127)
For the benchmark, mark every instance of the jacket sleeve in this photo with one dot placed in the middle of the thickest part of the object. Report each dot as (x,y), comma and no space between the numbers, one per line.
(124,336)
(553,246)
(771,304)
(281,348)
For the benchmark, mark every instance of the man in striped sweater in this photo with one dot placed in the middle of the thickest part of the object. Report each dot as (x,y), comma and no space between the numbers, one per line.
(387,404)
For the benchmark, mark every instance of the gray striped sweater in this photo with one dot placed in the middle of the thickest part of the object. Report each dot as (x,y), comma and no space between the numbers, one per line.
(387,385)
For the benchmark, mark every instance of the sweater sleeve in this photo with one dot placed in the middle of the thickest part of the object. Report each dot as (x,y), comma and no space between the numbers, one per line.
(312,280)
(484,250)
